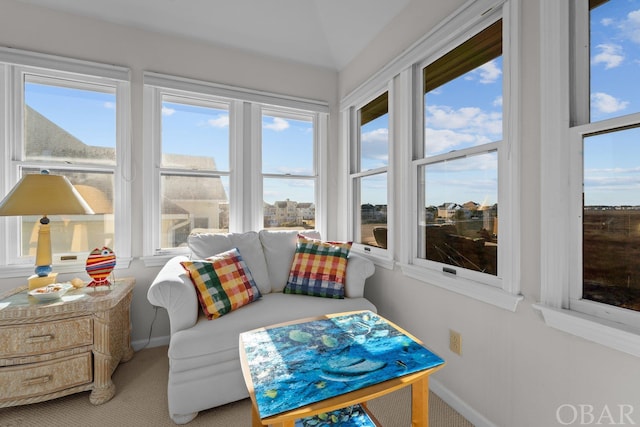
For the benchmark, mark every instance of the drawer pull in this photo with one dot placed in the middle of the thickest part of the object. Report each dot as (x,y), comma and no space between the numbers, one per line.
(39,339)
(37,380)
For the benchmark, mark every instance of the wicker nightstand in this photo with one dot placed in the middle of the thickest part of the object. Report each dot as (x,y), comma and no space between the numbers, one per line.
(55,348)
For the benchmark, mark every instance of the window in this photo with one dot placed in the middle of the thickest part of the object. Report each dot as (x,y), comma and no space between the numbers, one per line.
(226,159)
(458,168)
(288,170)
(449,123)
(606,131)
(595,273)
(369,173)
(466,165)
(194,168)
(72,124)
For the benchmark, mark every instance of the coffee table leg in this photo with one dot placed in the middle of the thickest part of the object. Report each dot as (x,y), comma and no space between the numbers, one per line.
(420,403)
(255,418)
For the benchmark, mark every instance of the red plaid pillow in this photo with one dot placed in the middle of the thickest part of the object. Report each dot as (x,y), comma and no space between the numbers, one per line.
(319,268)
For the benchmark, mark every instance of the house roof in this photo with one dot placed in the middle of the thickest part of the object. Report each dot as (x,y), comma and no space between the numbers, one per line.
(45,138)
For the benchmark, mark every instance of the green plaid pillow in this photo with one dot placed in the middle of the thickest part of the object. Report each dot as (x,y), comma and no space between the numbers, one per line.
(319,268)
(223,283)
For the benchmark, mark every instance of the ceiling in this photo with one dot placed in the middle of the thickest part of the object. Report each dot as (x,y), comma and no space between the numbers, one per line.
(328,33)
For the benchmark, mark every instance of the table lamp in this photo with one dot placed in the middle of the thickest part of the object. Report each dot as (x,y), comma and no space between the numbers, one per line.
(43,194)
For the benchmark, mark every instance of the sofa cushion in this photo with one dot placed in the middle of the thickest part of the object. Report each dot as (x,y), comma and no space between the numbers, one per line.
(279,248)
(318,269)
(223,283)
(204,245)
(196,347)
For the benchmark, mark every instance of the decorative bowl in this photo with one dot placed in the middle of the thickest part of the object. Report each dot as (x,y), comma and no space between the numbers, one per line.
(52,291)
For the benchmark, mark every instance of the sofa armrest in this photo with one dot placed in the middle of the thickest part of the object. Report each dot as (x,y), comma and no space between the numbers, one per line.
(358,269)
(173,290)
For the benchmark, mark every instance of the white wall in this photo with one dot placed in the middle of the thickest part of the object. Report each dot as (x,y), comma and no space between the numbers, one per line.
(514,370)
(36,29)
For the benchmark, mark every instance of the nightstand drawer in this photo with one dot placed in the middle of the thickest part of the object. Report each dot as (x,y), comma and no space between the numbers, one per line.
(45,377)
(45,337)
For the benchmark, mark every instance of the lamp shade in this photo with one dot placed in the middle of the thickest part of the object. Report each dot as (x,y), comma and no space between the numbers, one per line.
(44,194)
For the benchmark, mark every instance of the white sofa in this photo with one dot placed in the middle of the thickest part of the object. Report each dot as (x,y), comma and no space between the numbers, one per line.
(204,362)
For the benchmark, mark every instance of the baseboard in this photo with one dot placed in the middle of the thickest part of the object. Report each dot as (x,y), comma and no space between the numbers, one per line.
(451,399)
(153,342)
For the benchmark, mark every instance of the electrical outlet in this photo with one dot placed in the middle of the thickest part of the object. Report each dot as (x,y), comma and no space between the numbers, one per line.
(455,342)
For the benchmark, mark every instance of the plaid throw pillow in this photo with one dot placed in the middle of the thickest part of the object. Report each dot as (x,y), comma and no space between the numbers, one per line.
(319,268)
(223,283)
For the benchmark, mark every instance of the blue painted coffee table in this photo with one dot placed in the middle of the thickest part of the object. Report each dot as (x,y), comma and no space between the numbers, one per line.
(309,369)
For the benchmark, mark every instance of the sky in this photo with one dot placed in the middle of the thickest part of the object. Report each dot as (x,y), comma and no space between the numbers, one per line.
(454,120)
(287,146)
(462,113)
(612,160)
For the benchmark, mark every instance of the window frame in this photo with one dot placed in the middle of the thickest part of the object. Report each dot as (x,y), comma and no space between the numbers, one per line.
(502,290)
(420,160)
(14,66)
(576,176)
(257,148)
(154,96)
(381,256)
(245,163)
(404,76)
(563,113)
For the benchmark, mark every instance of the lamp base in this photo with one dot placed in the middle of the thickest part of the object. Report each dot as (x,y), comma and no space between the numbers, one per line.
(36,281)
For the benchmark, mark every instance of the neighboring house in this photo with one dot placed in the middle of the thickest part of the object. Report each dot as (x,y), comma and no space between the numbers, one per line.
(448,210)
(289,213)
(186,205)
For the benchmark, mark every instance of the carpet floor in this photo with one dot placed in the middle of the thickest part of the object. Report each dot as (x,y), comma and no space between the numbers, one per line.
(141,400)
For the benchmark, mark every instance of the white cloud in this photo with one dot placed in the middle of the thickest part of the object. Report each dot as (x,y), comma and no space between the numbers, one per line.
(445,140)
(110,105)
(489,72)
(631,26)
(610,55)
(606,21)
(485,74)
(277,125)
(498,101)
(375,145)
(610,186)
(467,119)
(605,103)
(450,129)
(222,121)
(168,111)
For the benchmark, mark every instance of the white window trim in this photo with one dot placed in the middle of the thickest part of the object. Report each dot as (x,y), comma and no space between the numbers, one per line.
(245,151)
(381,257)
(555,245)
(152,125)
(13,62)
(504,290)
(319,121)
(576,302)
(472,17)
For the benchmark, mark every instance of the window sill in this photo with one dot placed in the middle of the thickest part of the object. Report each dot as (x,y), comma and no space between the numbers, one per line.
(481,292)
(26,270)
(610,334)
(161,258)
(380,261)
